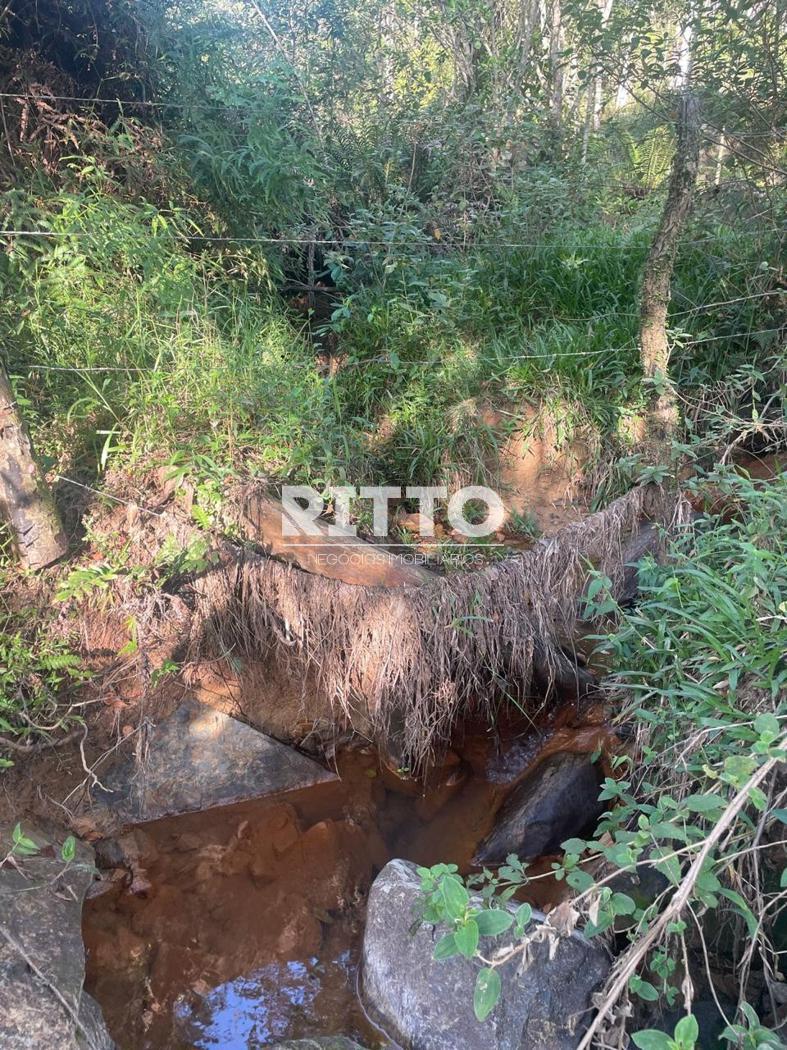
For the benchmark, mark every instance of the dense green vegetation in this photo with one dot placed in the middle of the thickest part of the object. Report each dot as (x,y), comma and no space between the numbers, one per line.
(700,673)
(466,253)
(196,363)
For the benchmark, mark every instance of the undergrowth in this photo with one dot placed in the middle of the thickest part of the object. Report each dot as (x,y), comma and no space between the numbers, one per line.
(687,873)
(127,335)
(39,675)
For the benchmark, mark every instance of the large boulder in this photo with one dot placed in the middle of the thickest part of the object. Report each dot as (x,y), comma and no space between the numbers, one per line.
(42,958)
(428,1005)
(558,800)
(197,759)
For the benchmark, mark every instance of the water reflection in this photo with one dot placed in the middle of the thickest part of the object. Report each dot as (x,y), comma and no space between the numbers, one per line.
(279,1001)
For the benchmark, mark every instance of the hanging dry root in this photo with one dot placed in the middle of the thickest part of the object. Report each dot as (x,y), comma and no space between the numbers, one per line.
(405,663)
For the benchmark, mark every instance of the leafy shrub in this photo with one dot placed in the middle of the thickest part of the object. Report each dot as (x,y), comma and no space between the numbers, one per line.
(446,901)
(701,668)
(35,671)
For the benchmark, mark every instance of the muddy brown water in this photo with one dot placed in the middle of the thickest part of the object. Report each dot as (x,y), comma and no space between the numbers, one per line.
(241,927)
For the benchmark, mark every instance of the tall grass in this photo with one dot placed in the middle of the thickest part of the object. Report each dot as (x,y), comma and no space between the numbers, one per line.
(128,336)
(122,339)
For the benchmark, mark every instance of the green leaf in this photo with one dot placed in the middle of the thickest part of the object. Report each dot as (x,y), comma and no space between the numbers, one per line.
(487,992)
(466,938)
(595,586)
(524,914)
(574,846)
(758,798)
(455,896)
(738,768)
(446,947)
(579,880)
(491,923)
(604,921)
(750,1014)
(667,865)
(620,855)
(703,803)
(766,726)
(687,1030)
(622,904)
(69,849)
(743,908)
(652,1039)
(644,989)
(664,830)
(22,844)
(707,880)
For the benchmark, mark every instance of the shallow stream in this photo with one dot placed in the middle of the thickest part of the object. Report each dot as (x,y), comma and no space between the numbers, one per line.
(240,927)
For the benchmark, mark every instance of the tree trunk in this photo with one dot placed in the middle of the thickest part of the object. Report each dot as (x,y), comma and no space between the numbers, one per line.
(589,112)
(556,63)
(25,500)
(662,418)
(529,19)
(347,558)
(595,91)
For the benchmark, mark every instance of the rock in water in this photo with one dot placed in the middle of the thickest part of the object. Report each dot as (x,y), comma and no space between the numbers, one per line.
(197,759)
(42,957)
(428,1005)
(558,800)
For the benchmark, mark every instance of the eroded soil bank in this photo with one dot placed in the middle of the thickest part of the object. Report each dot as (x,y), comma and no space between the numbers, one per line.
(239,927)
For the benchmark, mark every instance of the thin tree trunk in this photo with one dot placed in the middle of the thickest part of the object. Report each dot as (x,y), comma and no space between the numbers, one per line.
(589,109)
(720,155)
(598,102)
(663,416)
(298,78)
(556,62)
(530,16)
(25,500)
(595,92)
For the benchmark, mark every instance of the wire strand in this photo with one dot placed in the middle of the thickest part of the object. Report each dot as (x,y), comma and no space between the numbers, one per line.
(545,356)
(107,495)
(730,302)
(90,368)
(731,335)
(539,245)
(222,107)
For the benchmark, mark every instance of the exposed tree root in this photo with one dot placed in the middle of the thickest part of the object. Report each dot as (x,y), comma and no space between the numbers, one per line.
(406,663)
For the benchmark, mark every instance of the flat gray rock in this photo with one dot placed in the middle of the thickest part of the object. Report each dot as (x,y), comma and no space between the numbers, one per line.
(426,1004)
(42,958)
(198,759)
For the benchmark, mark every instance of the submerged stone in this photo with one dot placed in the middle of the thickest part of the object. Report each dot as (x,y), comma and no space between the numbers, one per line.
(322,1042)
(427,1004)
(42,958)
(557,801)
(199,759)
